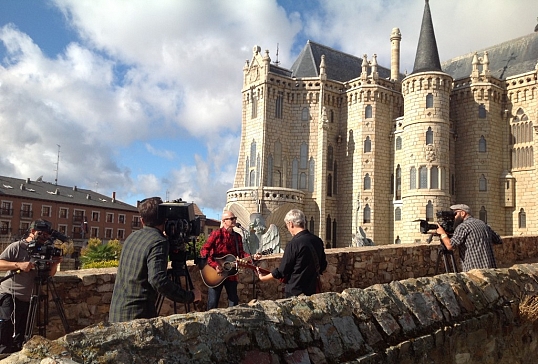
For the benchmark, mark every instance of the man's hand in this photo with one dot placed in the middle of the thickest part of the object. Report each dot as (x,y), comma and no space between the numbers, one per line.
(57,260)
(24,266)
(197,295)
(257,256)
(219,269)
(440,230)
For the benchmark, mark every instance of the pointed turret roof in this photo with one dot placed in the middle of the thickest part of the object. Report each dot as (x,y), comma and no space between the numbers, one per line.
(427,57)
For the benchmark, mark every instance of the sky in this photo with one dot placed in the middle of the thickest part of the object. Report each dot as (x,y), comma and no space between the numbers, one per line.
(143,98)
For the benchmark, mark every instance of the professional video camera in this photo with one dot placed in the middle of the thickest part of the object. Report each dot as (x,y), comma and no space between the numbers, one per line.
(444,218)
(41,250)
(181,225)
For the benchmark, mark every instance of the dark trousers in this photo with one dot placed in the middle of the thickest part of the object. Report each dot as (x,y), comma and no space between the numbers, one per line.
(12,309)
(213,294)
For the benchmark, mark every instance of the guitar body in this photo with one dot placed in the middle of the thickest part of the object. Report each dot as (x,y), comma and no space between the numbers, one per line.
(230,267)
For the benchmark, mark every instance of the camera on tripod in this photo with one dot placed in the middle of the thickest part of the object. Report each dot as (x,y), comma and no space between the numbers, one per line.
(42,250)
(445,219)
(181,225)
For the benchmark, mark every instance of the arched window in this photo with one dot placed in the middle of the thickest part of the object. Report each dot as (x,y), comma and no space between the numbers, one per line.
(330,158)
(423,177)
(247,177)
(412,178)
(335,179)
(367,182)
(294,173)
(254,113)
(434,177)
(367,214)
(311,173)
(481,111)
(305,114)
(398,143)
(398,182)
(429,101)
(329,184)
(279,105)
(270,170)
(331,118)
(522,219)
(429,211)
(302,181)
(367,145)
(398,214)
(258,164)
(304,155)
(252,179)
(278,154)
(483,214)
(253,153)
(482,145)
(429,136)
(311,225)
(482,183)
(328,228)
(368,112)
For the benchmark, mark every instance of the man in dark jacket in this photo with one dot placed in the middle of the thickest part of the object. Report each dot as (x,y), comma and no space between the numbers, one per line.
(303,260)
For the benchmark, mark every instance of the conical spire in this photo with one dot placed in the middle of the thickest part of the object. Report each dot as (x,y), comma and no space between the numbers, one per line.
(427,58)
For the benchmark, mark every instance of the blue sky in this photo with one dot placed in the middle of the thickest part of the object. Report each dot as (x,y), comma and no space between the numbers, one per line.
(144,97)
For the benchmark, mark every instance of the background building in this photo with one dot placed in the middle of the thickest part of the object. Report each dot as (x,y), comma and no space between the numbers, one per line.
(365,150)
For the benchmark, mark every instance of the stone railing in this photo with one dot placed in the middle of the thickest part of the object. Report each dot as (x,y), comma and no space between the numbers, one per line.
(86,294)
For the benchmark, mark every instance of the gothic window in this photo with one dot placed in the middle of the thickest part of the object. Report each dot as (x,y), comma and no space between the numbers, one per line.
(367,182)
(258,164)
(331,118)
(367,145)
(398,143)
(482,183)
(304,114)
(367,214)
(253,153)
(398,214)
(277,179)
(278,154)
(481,111)
(434,177)
(247,177)
(335,180)
(330,158)
(483,214)
(429,101)
(522,219)
(311,224)
(452,184)
(429,211)
(270,170)
(302,181)
(429,136)
(398,183)
(482,144)
(412,178)
(334,234)
(252,178)
(304,155)
(423,177)
(294,173)
(254,106)
(311,172)
(368,112)
(392,184)
(279,105)
(328,228)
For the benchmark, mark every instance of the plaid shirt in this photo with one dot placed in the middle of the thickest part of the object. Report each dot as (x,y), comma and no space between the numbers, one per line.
(142,275)
(221,242)
(474,239)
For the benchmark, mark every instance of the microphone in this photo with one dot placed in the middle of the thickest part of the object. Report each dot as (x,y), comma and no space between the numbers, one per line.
(240,227)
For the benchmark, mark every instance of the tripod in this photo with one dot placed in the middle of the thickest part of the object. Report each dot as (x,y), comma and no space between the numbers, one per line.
(446,255)
(178,270)
(39,303)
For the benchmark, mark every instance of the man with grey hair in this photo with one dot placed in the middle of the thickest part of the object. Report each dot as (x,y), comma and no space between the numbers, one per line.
(473,237)
(303,260)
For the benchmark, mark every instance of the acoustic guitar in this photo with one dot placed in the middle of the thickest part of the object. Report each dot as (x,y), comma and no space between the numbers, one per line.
(230,266)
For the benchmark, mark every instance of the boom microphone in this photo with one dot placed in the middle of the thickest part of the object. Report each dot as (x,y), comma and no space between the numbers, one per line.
(240,227)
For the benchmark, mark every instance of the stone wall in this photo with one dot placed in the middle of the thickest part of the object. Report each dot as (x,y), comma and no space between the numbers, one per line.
(86,294)
(477,317)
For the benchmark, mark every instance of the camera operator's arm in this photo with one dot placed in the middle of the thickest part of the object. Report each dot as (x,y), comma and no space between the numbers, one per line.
(54,265)
(445,240)
(6,265)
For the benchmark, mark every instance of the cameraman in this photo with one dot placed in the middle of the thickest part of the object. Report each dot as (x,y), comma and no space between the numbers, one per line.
(473,237)
(16,291)
(142,272)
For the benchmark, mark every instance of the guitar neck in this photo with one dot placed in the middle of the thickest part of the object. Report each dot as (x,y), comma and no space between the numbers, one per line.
(244,264)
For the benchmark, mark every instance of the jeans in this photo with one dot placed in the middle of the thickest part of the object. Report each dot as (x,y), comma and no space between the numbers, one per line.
(213,294)
(10,343)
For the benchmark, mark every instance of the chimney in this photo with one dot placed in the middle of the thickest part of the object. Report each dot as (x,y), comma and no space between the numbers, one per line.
(75,188)
(57,192)
(113,196)
(23,188)
(88,197)
(28,180)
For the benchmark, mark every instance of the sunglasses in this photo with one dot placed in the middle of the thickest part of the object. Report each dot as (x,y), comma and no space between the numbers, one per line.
(231,218)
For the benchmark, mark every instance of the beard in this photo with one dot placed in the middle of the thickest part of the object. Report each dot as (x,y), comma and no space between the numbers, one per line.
(458,220)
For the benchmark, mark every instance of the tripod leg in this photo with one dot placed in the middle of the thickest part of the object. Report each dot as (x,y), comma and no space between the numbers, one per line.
(32,311)
(52,288)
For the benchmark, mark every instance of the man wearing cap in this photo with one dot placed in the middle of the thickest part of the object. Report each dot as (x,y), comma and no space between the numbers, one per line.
(473,237)
(16,291)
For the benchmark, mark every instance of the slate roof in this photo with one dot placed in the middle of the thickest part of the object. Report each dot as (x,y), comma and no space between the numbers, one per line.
(339,66)
(506,59)
(46,191)
(427,56)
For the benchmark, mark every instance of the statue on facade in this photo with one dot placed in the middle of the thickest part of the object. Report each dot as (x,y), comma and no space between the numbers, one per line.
(263,239)
(360,239)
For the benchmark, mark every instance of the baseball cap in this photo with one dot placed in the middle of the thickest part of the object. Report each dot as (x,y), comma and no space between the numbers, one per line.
(41,225)
(461,207)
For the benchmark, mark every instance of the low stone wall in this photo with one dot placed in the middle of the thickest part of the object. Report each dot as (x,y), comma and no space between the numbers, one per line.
(465,318)
(85,294)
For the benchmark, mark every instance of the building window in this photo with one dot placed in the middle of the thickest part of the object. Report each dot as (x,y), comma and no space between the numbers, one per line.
(254,113)
(252,179)
(312,172)
(482,183)
(398,143)
(95,232)
(329,185)
(121,219)
(429,101)
(95,215)
(78,216)
(270,170)
(108,233)
(7,209)
(481,111)
(63,213)
(302,181)
(429,211)
(335,179)
(26,211)
(304,155)
(398,214)
(368,112)
(367,182)
(367,218)
(304,114)
(483,214)
(278,154)
(412,178)
(482,145)
(398,183)
(24,227)
(46,211)
(5,229)
(423,177)
(294,173)
(279,105)
(121,234)
(367,145)
(253,153)
(522,219)
(109,217)
(62,229)
(330,158)
(434,177)
(429,136)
